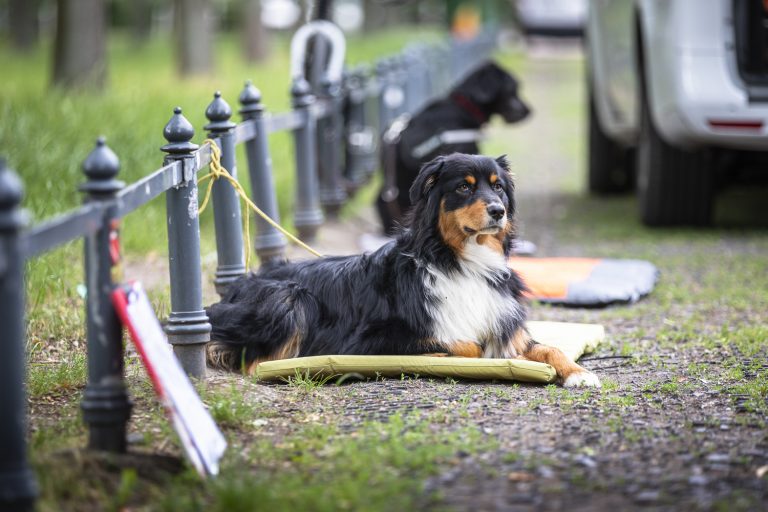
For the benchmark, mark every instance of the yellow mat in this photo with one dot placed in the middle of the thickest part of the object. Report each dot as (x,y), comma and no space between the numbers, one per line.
(573,339)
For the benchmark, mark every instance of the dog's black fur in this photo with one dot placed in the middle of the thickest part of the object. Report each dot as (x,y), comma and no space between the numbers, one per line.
(486,91)
(412,296)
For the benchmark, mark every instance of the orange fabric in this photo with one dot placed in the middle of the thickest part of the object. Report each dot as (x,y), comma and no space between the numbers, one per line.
(549,277)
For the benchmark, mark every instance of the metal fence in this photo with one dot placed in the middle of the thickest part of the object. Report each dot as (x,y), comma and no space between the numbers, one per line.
(335,126)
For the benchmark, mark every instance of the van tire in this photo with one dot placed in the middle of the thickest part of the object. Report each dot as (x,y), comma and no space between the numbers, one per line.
(609,169)
(674,186)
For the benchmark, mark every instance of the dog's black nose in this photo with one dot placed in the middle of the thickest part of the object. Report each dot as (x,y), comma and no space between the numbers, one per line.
(496,211)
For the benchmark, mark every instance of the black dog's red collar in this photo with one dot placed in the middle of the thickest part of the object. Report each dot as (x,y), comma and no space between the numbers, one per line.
(472,109)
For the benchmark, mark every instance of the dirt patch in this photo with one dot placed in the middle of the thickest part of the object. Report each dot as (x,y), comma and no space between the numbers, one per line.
(82,479)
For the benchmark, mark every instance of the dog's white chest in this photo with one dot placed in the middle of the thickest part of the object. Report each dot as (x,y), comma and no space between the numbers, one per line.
(469,308)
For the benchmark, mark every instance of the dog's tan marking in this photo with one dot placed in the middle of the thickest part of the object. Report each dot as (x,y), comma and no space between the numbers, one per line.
(291,347)
(496,241)
(491,241)
(465,349)
(450,229)
(251,369)
(473,216)
(493,179)
(554,357)
(287,350)
(470,179)
(520,341)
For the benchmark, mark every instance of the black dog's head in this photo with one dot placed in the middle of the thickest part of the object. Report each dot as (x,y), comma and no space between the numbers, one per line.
(465,196)
(493,91)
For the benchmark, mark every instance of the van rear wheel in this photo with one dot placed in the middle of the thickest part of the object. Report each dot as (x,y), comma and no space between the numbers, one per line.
(674,186)
(610,171)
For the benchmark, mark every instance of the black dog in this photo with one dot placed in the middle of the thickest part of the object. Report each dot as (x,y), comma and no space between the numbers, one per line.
(443,286)
(486,91)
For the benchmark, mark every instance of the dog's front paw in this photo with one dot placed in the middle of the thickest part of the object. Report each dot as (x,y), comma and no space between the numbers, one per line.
(582,379)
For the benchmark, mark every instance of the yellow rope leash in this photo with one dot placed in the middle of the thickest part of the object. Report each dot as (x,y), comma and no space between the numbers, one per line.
(217,171)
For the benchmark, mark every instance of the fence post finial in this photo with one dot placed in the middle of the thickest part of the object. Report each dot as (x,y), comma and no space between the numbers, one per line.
(18,487)
(250,99)
(187,328)
(269,243)
(101,168)
(178,132)
(226,203)
(106,406)
(218,114)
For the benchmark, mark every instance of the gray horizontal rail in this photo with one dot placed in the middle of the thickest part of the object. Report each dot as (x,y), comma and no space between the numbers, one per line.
(284,122)
(245,131)
(88,218)
(143,191)
(287,121)
(62,229)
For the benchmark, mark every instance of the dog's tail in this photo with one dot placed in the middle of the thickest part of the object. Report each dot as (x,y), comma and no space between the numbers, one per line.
(259,320)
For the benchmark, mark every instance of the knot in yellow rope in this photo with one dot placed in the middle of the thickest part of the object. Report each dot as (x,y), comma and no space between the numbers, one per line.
(219,172)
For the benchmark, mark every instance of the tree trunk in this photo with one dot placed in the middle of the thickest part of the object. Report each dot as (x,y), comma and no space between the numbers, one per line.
(303,13)
(378,15)
(141,20)
(194,36)
(80,47)
(256,37)
(23,23)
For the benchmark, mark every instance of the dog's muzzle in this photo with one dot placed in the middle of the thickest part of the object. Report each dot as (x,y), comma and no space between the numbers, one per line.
(515,111)
(497,219)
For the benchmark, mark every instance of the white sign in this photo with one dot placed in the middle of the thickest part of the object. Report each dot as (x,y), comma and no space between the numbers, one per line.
(201,438)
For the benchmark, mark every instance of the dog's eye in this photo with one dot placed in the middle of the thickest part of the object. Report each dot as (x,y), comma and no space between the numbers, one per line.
(463,187)
(497,187)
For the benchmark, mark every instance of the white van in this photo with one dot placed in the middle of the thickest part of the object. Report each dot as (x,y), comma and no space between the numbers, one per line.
(678,95)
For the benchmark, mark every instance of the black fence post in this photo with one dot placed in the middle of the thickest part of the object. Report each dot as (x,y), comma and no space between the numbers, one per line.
(18,487)
(382,83)
(188,328)
(361,156)
(270,243)
(330,130)
(399,81)
(106,407)
(308,216)
(226,202)
(416,92)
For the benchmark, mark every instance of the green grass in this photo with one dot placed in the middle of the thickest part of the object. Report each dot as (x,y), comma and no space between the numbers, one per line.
(309,383)
(381,466)
(48,377)
(228,407)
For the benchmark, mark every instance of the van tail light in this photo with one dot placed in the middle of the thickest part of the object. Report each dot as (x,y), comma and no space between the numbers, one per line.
(736,124)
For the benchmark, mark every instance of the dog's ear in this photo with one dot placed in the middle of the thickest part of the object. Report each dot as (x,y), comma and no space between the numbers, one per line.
(509,183)
(503,162)
(426,179)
